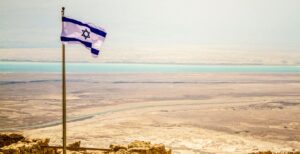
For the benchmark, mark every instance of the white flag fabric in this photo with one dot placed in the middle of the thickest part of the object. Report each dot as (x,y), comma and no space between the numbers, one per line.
(77,32)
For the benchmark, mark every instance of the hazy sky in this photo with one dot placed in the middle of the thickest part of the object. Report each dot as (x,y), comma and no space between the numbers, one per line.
(131,24)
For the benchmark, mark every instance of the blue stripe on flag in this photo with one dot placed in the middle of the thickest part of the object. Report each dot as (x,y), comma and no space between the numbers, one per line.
(95,51)
(86,44)
(94,30)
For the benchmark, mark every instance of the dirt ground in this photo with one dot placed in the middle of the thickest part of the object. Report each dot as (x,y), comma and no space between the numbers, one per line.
(190,113)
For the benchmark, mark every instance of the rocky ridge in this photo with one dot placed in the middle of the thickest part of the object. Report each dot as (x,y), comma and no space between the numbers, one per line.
(18,144)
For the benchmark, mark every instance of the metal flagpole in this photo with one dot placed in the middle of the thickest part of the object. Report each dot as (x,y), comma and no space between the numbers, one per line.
(64,93)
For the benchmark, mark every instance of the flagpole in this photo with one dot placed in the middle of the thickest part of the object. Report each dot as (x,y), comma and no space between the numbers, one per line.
(64,93)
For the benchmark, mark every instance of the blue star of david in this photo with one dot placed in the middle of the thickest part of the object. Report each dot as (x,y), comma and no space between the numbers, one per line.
(85,34)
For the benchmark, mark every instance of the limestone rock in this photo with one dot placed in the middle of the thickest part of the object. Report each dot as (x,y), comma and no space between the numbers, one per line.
(74,146)
(115,147)
(139,144)
(7,139)
(140,147)
(18,144)
(159,149)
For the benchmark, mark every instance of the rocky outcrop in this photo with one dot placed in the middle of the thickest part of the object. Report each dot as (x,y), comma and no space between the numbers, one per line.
(140,147)
(8,139)
(18,144)
(75,146)
(28,146)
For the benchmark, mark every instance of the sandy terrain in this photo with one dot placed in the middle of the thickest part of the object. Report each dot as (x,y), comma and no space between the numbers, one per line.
(190,113)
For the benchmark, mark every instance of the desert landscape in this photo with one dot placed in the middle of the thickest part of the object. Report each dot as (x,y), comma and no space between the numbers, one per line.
(189,113)
(150,77)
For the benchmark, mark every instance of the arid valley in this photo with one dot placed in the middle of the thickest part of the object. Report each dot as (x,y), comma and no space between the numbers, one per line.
(189,113)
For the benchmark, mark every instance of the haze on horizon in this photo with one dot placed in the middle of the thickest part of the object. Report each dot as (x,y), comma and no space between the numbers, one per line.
(271,24)
(234,89)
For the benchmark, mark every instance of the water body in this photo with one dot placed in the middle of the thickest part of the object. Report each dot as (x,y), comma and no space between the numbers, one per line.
(55,67)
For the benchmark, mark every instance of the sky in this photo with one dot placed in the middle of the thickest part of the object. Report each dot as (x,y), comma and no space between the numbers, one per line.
(167,24)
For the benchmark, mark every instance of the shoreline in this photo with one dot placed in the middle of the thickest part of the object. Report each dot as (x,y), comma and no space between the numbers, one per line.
(44,67)
(149,63)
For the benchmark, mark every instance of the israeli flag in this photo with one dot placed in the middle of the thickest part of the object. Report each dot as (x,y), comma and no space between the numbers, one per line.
(88,35)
